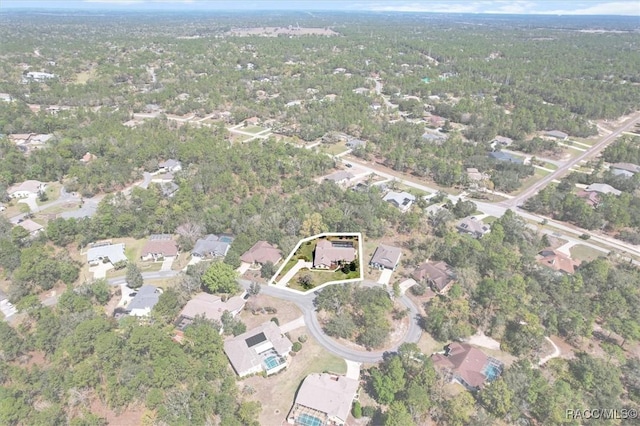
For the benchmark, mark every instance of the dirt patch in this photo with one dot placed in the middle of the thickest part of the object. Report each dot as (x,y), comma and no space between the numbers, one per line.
(286,311)
(131,416)
(277,393)
(31,359)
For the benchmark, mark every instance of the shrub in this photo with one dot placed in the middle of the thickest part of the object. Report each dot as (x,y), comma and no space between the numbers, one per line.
(585,236)
(297,346)
(418,289)
(274,319)
(368,411)
(303,338)
(357,410)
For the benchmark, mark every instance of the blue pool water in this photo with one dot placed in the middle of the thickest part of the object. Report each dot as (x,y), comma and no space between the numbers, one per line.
(271,362)
(492,372)
(226,239)
(307,420)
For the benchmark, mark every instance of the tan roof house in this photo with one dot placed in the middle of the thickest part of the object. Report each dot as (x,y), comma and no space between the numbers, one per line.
(210,307)
(438,275)
(159,246)
(263,348)
(473,227)
(341,177)
(26,189)
(386,257)
(330,254)
(261,253)
(557,261)
(325,397)
(467,365)
(32,227)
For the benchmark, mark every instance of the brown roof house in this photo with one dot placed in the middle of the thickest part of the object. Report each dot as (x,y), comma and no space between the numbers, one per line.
(591,198)
(159,247)
(557,261)
(263,348)
(467,365)
(210,307)
(330,254)
(438,275)
(386,257)
(261,253)
(323,399)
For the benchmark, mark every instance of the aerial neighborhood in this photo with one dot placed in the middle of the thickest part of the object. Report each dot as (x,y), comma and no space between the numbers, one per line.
(318,217)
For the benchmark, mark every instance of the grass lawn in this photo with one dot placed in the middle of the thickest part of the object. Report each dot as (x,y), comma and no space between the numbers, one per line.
(489,219)
(60,208)
(52,191)
(586,141)
(320,277)
(84,76)
(277,393)
(584,253)
(305,250)
(549,166)
(252,129)
(334,149)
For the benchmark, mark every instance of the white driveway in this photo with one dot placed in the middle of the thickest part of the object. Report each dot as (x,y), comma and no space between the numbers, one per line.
(100,270)
(353,369)
(406,285)
(292,325)
(167,263)
(31,202)
(244,267)
(7,308)
(385,277)
(293,271)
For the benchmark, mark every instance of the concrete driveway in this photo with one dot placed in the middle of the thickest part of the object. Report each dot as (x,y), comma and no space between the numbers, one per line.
(244,267)
(353,369)
(293,271)
(167,263)
(292,325)
(385,277)
(31,201)
(100,270)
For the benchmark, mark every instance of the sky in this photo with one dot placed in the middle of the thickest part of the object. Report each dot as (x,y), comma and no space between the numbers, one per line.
(525,7)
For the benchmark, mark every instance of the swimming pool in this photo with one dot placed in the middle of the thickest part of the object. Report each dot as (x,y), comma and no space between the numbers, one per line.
(225,239)
(492,372)
(271,362)
(308,420)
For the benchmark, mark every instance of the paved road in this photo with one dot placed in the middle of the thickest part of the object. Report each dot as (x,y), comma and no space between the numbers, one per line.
(562,170)
(305,303)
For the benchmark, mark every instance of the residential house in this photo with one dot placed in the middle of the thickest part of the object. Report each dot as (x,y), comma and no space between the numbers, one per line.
(38,76)
(386,257)
(624,169)
(28,188)
(6,307)
(435,121)
(354,143)
(170,166)
(402,200)
(375,106)
(602,188)
(212,246)
(210,307)
(506,157)
(361,91)
(502,140)
(163,178)
(87,158)
(557,261)
(341,177)
(557,134)
(5,97)
(467,365)
(21,138)
(158,247)
(143,302)
(473,227)
(591,198)
(32,227)
(263,348)
(436,138)
(331,254)
(106,253)
(252,121)
(476,176)
(261,253)
(324,397)
(168,189)
(438,275)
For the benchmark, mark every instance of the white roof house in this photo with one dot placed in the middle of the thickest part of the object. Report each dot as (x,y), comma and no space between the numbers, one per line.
(327,397)
(402,200)
(114,253)
(602,188)
(170,165)
(26,189)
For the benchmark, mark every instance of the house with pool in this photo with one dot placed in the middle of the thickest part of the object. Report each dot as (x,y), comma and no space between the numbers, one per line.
(469,366)
(262,349)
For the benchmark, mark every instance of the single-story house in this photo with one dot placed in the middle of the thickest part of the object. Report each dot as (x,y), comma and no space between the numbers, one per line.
(361,90)
(263,348)
(502,140)
(168,189)
(331,254)
(5,97)
(212,246)
(354,143)
(557,261)
(210,307)
(557,134)
(87,158)
(163,178)
(435,120)
(591,198)
(467,365)
(386,257)
(32,227)
(624,169)
(261,253)
(112,253)
(439,275)
(39,76)
(325,397)
(341,177)
(434,137)
(159,246)
(602,188)
(402,200)
(145,299)
(26,189)
(476,176)
(505,156)
(170,165)
(6,307)
(473,227)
